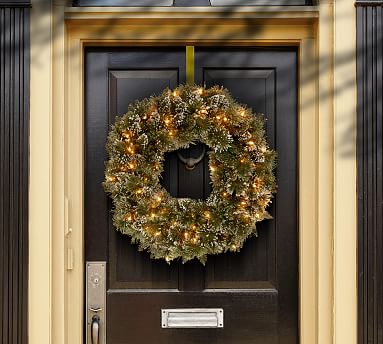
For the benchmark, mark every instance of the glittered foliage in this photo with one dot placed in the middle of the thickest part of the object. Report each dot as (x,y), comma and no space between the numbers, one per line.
(241,168)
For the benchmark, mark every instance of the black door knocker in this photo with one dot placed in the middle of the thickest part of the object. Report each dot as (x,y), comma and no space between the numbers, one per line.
(191,163)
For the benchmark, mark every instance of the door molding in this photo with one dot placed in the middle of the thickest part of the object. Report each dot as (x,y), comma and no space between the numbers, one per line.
(323,176)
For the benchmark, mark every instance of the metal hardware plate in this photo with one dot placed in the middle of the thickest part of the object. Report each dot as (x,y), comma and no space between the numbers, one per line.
(96,299)
(192,318)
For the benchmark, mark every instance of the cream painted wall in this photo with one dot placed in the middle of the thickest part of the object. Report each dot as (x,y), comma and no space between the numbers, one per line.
(328,180)
(40,188)
(345,197)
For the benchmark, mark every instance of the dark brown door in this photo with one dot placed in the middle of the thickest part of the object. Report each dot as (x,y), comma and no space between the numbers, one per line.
(258,287)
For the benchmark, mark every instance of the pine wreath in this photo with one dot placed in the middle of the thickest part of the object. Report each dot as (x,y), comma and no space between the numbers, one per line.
(241,169)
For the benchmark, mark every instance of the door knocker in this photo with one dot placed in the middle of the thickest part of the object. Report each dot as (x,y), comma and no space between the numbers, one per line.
(191,163)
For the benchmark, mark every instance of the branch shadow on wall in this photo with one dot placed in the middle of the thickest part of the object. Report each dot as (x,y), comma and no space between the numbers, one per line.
(319,64)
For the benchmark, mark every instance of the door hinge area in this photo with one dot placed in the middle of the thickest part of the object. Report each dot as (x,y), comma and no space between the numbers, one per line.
(67,228)
(67,233)
(69,259)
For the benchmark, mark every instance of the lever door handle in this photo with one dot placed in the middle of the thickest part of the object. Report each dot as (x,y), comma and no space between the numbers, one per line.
(95,329)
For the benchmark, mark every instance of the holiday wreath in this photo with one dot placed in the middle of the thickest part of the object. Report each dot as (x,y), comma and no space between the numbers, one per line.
(241,169)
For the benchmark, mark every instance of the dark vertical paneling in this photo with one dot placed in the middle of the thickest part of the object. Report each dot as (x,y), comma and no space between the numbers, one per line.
(14,134)
(370,208)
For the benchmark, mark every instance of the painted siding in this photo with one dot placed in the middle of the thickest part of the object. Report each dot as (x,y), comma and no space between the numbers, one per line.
(370,183)
(14,117)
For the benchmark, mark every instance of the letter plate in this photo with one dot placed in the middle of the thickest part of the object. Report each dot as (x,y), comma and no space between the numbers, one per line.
(192,318)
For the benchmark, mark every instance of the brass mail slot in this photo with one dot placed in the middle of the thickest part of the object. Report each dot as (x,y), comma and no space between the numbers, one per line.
(192,318)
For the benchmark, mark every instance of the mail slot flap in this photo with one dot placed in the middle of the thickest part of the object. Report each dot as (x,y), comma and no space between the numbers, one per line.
(192,318)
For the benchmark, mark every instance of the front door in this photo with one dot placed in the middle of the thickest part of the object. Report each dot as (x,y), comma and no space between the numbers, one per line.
(257,288)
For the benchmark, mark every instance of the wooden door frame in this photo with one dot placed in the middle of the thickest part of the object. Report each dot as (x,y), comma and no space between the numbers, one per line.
(327,211)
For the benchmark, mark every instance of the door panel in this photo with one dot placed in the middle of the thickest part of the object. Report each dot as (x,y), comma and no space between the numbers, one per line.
(248,318)
(126,86)
(254,267)
(266,82)
(114,80)
(258,287)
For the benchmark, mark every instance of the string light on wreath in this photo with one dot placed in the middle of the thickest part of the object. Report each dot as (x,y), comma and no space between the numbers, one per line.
(240,164)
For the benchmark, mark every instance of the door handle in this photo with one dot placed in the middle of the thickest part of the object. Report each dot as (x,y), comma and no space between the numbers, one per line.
(95,329)
(95,307)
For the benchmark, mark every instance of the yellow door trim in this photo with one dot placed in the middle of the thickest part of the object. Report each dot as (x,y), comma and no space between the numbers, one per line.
(56,139)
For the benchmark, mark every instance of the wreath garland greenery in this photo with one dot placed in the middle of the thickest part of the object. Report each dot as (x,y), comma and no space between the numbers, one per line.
(241,168)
